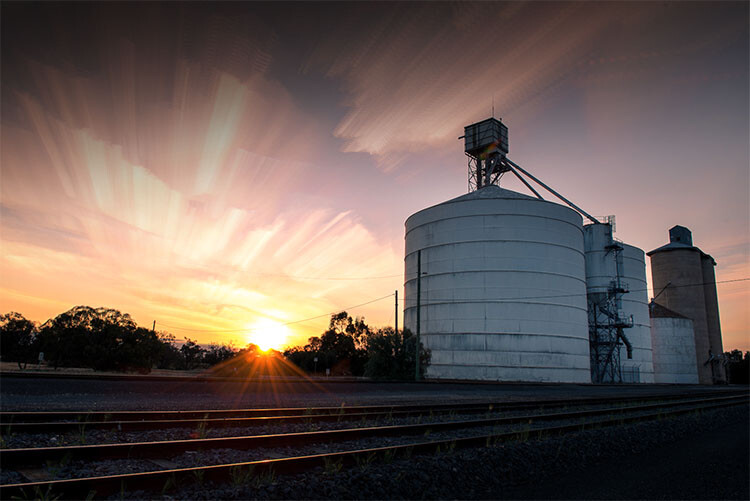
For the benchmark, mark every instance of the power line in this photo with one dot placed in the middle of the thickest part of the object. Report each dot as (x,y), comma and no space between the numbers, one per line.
(294,277)
(502,300)
(286,323)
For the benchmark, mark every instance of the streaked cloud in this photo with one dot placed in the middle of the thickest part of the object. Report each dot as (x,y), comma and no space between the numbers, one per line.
(209,166)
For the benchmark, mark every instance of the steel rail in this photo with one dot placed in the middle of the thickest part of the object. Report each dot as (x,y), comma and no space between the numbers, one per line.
(166,480)
(212,423)
(13,458)
(18,417)
(224,422)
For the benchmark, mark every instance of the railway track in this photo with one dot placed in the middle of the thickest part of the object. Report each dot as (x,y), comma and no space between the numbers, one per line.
(45,422)
(488,430)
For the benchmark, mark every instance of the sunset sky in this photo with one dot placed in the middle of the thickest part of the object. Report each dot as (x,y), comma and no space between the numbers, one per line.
(227,168)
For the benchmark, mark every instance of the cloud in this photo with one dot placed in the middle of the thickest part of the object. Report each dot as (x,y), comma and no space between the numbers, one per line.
(160,162)
(162,186)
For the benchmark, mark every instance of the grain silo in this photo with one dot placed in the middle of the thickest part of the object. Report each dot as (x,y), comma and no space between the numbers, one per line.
(619,327)
(673,342)
(495,280)
(684,282)
(502,288)
(640,368)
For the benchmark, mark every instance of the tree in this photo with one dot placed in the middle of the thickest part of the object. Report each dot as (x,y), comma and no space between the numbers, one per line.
(391,355)
(192,354)
(349,346)
(100,338)
(169,356)
(17,335)
(340,348)
(738,367)
(215,354)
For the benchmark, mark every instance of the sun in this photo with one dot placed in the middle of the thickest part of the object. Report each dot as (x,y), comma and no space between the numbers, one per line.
(268,334)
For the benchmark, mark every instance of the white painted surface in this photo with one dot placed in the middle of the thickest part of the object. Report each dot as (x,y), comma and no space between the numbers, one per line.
(635,303)
(673,341)
(601,271)
(503,288)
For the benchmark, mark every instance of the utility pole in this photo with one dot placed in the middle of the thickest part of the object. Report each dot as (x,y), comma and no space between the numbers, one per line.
(396,311)
(419,310)
(153,329)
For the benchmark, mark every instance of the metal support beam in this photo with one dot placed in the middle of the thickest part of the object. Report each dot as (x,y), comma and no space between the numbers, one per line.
(540,183)
(519,176)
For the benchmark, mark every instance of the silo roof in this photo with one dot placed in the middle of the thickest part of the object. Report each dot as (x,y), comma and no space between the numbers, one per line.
(491,191)
(672,246)
(656,310)
(476,202)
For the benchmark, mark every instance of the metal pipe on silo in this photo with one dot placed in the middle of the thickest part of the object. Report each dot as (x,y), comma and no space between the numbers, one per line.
(419,311)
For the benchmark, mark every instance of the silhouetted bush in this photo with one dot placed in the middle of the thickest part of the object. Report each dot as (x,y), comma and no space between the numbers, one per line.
(390,355)
(350,347)
(17,338)
(738,367)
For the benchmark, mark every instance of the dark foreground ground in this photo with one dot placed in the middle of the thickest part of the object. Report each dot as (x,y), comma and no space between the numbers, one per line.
(698,456)
(709,461)
(35,393)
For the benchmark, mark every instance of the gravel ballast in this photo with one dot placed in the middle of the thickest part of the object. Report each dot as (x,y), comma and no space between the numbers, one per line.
(83,436)
(488,473)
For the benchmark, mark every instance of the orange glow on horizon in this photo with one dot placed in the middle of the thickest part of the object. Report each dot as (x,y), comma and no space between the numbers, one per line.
(225,179)
(268,334)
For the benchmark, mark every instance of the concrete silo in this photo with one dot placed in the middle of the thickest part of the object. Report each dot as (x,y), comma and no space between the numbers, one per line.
(684,282)
(503,292)
(619,327)
(673,342)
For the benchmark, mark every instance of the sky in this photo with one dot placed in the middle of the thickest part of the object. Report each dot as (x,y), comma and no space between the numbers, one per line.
(227,168)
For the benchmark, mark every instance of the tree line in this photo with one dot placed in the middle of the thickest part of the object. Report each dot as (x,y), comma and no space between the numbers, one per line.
(101,339)
(106,339)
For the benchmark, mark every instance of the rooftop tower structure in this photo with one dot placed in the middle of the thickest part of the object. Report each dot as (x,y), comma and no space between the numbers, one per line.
(486,146)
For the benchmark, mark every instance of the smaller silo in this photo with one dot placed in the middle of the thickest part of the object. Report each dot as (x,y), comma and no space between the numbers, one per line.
(673,343)
(684,282)
(639,368)
(618,301)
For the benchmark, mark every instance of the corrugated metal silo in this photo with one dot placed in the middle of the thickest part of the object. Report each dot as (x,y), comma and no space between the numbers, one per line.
(503,292)
(616,290)
(635,303)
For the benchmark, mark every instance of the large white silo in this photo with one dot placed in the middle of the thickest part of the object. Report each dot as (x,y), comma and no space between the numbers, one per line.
(618,308)
(503,291)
